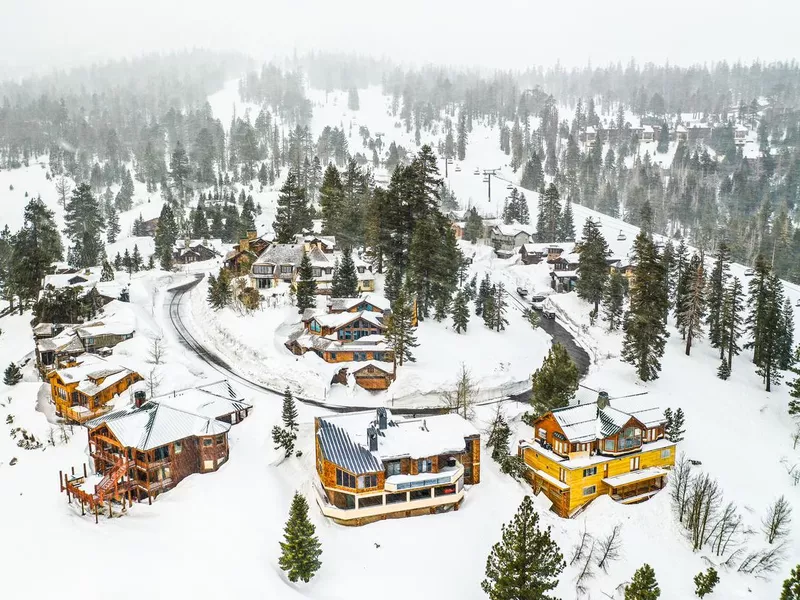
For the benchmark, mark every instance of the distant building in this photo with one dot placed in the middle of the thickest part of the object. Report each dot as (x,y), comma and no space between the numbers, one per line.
(191,251)
(149,227)
(740,135)
(373,466)
(508,237)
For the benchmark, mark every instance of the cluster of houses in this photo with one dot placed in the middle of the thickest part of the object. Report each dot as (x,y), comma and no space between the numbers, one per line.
(649,130)
(350,335)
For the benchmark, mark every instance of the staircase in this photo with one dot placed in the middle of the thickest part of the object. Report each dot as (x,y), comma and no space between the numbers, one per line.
(110,484)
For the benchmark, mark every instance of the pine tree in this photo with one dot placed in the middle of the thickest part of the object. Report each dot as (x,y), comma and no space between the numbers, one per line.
(12,375)
(113,225)
(484,292)
(645,330)
(293,215)
(791,586)
(566,226)
(499,307)
(126,262)
(644,585)
(526,564)
(549,215)
(692,310)
(166,259)
(679,265)
(613,300)
(731,322)
(289,412)
(705,582)
(33,249)
(179,169)
(108,271)
(345,279)
(166,233)
(118,262)
(769,341)
(300,550)
(136,258)
(220,293)
(84,224)
(554,383)
(461,141)
(400,329)
(724,370)
(785,343)
(717,285)
(758,302)
(592,266)
(306,285)
(487,308)
(460,312)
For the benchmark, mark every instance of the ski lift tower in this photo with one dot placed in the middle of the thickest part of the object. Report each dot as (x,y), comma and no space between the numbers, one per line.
(487,178)
(447,161)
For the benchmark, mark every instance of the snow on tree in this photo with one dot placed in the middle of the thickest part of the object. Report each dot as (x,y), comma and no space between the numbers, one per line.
(526,563)
(12,375)
(592,269)
(554,383)
(306,285)
(643,586)
(460,312)
(400,329)
(791,586)
(613,300)
(300,548)
(705,582)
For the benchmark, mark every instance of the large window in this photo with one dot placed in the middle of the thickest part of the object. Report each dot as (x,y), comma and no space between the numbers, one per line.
(316,272)
(425,465)
(590,491)
(345,479)
(286,268)
(162,453)
(393,468)
(590,471)
(609,445)
(666,452)
(367,481)
(178,447)
(395,498)
(315,327)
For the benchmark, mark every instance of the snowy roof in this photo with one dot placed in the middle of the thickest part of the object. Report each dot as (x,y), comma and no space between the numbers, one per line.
(118,319)
(157,424)
(211,244)
(512,230)
(281,254)
(90,370)
(203,403)
(680,129)
(336,320)
(344,304)
(587,422)
(86,278)
(532,248)
(343,438)
(634,476)
(647,129)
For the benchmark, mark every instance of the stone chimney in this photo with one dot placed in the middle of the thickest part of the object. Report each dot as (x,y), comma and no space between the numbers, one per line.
(603,399)
(139,398)
(382,418)
(372,437)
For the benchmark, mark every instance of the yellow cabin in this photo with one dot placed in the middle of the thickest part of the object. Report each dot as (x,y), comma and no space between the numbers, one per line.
(581,452)
(82,389)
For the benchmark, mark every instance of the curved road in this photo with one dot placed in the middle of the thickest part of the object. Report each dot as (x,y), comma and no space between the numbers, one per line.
(213,360)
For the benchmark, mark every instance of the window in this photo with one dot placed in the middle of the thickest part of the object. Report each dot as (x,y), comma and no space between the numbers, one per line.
(207,442)
(589,472)
(395,498)
(361,269)
(178,447)
(315,327)
(562,475)
(162,453)
(420,494)
(393,468)
(286,268)
(367,481)
(316,272)
(590,491)
(666,452)
(333,355)
(345,479)
(609,445)
(220,439)
(208,465)
(424,465)
(541,434)
(635,463)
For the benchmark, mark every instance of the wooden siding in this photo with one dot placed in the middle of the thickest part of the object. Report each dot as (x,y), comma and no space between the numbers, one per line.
(94,402)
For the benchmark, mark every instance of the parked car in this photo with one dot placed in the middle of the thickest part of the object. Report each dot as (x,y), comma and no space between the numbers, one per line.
(548,313)
(522,291)
(537,302)
(749,273)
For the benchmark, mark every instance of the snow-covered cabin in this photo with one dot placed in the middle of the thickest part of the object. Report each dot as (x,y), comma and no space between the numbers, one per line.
(373,465)
(508,237)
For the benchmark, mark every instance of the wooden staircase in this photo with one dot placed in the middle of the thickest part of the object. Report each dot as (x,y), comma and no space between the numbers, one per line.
(115,485)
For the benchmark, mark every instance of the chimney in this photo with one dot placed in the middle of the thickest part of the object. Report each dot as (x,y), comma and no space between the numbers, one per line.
(382,418)
(372,436)
(139,398)
(602,399)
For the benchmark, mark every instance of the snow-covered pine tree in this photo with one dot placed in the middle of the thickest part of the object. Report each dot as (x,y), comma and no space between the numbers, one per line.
(484,292)
(692,309)
(592,252)
(770,343)
(679,263)
(613,300)
(731,322)
(724,370)
(785,343)
(645,330)
(554,383)
(400,329)
(549,215)
(526,563)
(12,375)
(306,285)
(717,286)
(499,307)
(113,229)
(108,272)
(643,586)
(345,281)
(566,224)
(300,548)
(758,303)
(791,586)
(460,312)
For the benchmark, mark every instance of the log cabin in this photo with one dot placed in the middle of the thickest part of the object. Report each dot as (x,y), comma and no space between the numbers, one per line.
(148,448)
(83,388)
(373,466)
(582,452)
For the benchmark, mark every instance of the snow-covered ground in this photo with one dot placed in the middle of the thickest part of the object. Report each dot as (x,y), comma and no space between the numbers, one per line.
(229,523)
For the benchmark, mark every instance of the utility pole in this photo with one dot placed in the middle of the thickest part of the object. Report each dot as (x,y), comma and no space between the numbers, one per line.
(447,161)
(487,177)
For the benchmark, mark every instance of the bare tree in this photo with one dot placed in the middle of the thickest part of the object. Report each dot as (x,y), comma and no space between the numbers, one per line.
(609,548)
(586,571)
(777,523)
(726,530)
(761,562)
(154,380)
(461,400)
(579,549)
(702,509)
(157,349)
(63,187)
(679,491)
(796,437)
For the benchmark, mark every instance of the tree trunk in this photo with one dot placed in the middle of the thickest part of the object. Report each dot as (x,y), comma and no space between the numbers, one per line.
(689,342)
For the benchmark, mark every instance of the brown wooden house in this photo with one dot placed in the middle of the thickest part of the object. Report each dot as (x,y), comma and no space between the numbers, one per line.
(373,466)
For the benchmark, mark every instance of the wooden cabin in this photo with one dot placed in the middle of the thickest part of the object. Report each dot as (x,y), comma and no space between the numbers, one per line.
(581,452)
(373,466)
(83,388)
(531,254)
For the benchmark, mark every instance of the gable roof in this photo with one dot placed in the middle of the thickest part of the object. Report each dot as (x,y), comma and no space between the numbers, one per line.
(344,304)
(587,422)
(281,254)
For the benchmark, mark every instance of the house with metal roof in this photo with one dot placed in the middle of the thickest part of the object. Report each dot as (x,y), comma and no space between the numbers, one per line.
(581,452)
(150,446)
(373,465)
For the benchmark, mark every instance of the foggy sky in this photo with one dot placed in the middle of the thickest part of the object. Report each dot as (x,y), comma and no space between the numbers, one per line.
(36,35)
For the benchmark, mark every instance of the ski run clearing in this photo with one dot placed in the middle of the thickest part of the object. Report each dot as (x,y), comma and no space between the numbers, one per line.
(216,535)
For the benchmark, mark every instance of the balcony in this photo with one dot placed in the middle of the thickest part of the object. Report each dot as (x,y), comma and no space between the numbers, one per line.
(81,414)
(445,476)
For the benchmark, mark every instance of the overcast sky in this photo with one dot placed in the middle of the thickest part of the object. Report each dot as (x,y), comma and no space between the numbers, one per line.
(39,34)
